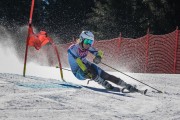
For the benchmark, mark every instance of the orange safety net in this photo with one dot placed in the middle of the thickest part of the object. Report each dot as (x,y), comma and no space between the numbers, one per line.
(147,54)
(178,52)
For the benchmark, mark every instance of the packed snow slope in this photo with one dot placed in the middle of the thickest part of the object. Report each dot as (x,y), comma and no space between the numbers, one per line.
(42,95)
(37,98)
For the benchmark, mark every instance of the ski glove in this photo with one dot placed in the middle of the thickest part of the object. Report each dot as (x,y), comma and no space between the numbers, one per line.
(100,53)
(87,72)
(98,58)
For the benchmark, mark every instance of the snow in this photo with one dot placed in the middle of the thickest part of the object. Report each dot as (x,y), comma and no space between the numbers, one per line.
(42,95)
(31,97)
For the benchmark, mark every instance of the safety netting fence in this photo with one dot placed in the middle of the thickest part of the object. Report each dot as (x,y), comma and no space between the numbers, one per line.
(147,54)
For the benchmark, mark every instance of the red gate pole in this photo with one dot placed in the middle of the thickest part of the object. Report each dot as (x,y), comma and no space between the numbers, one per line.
(147,49)
(119,40)
(60,66)
(118,53)
(176,48)
(27,40)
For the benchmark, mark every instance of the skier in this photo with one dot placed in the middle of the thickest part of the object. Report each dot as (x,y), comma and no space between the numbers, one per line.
(84,69)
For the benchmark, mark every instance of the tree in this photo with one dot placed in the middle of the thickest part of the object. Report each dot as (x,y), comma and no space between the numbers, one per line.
(133,17)
(164,15)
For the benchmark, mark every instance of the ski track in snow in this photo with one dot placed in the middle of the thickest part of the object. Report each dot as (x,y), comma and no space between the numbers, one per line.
(45,100)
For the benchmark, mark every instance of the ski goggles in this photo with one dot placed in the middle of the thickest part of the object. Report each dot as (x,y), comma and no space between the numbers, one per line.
(88,42)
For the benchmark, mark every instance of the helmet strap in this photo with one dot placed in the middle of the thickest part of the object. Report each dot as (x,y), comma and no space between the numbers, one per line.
(81,43)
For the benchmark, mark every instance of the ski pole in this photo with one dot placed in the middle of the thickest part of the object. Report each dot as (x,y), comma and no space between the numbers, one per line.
(131,77)
(71,71)
(63,68)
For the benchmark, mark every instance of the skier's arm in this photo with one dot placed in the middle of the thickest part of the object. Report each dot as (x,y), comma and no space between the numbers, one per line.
(72,51)
(98,55)
(98,58)
(81,64)
(83,67)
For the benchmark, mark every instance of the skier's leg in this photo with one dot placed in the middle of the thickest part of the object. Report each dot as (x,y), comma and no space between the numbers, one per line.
(96,71)
(113,79)
(118,81)
(103,82)
(106,84)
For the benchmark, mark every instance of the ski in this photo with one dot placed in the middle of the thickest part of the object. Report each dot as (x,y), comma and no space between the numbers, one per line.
(143,92)
(124,90)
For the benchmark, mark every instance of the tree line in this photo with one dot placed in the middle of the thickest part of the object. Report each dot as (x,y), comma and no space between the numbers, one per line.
(133,17)
(106,18)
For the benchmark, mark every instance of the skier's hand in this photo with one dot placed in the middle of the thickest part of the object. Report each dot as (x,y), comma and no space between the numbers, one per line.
(97,59)
(88,74)
(100,53)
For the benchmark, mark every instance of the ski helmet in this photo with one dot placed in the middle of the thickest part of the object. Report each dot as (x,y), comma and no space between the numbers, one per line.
(86,35)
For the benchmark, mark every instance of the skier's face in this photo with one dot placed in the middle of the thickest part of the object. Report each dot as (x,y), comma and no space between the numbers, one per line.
(86,46)
(87,43)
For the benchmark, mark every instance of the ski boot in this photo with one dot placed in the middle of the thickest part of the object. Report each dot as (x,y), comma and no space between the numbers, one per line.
(133,89)
(106,84)
(126,86)
(130,88)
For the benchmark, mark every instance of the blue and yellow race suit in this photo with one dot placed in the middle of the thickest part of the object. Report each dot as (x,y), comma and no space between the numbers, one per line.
(75,52)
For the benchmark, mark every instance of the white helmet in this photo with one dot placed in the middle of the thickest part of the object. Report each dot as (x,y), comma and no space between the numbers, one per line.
(86,35)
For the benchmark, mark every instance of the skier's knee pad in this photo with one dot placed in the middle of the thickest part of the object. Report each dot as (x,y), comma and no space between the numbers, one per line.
(122,83)
(103,82)
(107,85)
(105,75)
(98,79)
